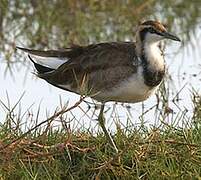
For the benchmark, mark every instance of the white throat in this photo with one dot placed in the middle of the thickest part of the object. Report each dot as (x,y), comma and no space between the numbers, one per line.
(154,55)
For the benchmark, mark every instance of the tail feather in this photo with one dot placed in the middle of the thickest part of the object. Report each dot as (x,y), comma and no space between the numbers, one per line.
(51,59)
(40,69)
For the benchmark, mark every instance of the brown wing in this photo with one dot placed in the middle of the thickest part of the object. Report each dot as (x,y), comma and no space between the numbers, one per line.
(97,67)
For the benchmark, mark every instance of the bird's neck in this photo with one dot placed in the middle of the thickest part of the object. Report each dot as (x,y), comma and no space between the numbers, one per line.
(152,62)
(151,55)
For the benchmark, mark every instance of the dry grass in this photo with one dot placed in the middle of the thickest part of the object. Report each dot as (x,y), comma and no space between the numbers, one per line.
(164,152)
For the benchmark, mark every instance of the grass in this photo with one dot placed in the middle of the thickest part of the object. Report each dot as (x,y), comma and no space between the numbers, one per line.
(43,152)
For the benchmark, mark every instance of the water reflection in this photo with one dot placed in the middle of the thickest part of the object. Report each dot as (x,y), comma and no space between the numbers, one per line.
(60,23)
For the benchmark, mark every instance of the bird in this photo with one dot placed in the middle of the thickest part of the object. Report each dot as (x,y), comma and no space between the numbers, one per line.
(127,72)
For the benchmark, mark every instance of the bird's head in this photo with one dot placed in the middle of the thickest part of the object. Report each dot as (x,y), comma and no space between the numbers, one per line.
(154,31)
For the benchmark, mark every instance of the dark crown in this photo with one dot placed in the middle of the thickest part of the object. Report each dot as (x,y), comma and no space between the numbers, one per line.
(154,24)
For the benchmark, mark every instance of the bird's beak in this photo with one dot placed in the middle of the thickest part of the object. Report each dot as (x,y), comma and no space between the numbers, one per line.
(170,36)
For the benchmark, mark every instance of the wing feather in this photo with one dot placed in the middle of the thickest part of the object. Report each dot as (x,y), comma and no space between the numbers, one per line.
(104,65)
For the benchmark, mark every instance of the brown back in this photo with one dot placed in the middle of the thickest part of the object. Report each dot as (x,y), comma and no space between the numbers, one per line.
(101,66)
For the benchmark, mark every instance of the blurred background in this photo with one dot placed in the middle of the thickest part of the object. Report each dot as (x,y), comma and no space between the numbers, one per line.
(55,24)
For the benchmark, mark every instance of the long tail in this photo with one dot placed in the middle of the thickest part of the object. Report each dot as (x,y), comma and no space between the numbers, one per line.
(46,61)
(40,69)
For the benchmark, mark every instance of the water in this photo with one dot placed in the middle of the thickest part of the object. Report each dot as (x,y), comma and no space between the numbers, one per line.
(41,26)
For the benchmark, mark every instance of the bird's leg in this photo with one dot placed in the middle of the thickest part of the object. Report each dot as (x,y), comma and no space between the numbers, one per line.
(101,121)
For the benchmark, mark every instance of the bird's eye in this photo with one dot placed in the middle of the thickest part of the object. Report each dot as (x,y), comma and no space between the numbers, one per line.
(152,30)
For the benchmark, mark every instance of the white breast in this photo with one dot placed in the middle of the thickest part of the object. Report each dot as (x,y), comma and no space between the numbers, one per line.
(132,89)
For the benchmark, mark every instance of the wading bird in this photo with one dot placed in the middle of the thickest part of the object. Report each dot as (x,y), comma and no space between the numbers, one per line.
(112,71)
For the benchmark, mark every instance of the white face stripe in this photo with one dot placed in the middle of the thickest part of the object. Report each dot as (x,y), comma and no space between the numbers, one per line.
(51,62)
(153,38)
